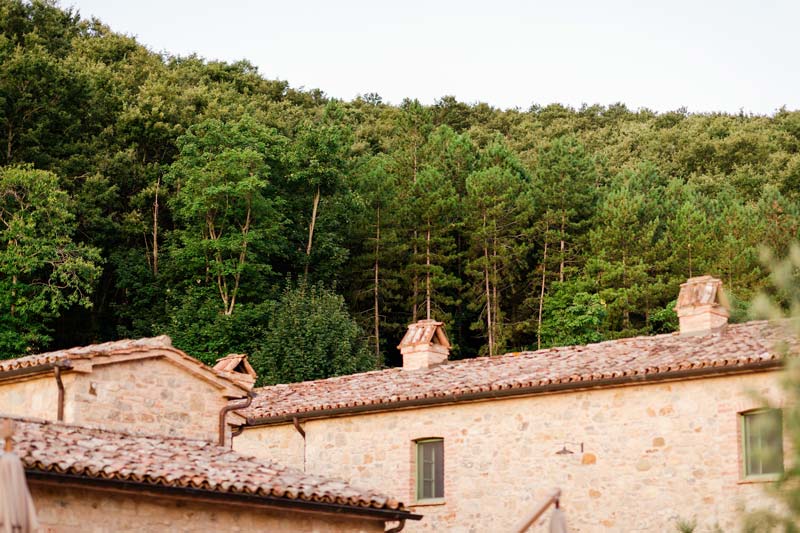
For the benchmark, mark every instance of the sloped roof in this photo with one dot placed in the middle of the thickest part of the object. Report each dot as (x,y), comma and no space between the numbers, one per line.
(83,453)
(739,347)
(157,346)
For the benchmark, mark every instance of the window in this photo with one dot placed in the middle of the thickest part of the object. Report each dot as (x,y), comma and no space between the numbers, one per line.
(762,443)
(430,469)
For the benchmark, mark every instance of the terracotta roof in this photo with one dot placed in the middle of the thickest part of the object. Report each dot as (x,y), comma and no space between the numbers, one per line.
(68,358)
(737,347)
(168,462)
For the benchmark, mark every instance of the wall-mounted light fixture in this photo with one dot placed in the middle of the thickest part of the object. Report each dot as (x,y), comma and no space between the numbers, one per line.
(565,451)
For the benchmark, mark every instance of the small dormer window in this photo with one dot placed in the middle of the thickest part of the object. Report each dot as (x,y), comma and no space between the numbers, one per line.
(430,470)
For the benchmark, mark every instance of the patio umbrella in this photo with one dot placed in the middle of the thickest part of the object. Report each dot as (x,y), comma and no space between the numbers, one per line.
(558,524)
(17,514)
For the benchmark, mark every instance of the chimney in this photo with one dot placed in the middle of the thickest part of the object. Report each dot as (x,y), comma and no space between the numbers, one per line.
(236,367)
(702,306)
(424,345)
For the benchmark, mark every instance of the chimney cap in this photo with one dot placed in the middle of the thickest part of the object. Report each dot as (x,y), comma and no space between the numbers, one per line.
(424,345)
(425,331)
(702,306)
(236,367)
(701,290)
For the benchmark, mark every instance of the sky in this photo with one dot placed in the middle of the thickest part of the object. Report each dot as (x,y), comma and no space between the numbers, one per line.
(705,55)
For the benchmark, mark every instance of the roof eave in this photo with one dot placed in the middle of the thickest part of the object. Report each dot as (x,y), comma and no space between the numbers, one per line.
(635,379)
(61,480)
(27,371)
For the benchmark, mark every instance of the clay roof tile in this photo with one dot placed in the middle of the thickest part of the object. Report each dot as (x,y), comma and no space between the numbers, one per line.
(736,346)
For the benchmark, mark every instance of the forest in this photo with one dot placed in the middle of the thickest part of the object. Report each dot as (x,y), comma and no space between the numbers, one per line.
(145,194)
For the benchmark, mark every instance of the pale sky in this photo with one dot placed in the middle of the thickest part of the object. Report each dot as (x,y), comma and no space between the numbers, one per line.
(705,55)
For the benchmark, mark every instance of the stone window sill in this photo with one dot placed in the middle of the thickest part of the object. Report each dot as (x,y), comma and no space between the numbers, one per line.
(769,478)
(427,503)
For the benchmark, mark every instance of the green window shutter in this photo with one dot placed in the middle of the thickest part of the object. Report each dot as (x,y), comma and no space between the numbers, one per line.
(762,435)
(430,469)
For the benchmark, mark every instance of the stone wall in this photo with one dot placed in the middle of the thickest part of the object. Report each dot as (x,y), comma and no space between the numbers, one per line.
(75,510)
(653,454)
(151,396)
(34,397)
(282,444)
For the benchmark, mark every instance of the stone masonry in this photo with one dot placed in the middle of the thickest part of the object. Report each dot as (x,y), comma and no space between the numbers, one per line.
(653,454)
(152,396)
(98,511)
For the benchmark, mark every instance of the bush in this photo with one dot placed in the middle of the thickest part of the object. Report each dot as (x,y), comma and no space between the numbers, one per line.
(310,336)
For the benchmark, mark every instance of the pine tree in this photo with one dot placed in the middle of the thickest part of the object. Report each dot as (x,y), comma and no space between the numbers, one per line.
(565,182)
(496,219)
(629,252)
(433,208)
(413,128)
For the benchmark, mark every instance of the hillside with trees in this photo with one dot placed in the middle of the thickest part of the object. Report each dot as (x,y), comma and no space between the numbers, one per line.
(145,194)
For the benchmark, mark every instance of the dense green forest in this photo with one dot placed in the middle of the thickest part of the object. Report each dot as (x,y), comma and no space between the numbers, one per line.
(145,194)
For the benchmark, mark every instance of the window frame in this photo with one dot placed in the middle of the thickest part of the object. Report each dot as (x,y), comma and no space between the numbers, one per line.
(771,476)
(418,475)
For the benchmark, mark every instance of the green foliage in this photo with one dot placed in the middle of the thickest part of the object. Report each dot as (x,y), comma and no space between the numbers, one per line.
(42,270)
(197,327)
(310,336)
(201,185)
(498,209)
(684,525)
(572,315)
(221,179)
(782,302)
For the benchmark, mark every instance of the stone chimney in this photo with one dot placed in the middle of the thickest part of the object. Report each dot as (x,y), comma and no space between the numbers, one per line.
(236,367)
(424,345)
(702,306)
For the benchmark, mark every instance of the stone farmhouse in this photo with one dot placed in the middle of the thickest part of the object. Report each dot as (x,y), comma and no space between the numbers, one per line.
(136,436)
(637,433)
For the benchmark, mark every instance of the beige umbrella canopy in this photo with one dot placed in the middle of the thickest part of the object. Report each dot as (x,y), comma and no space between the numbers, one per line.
(558,524)
(17,514)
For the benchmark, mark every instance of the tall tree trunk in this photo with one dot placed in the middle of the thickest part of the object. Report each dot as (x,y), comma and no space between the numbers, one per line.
(626,314)
(489,326)
(376,292)
(541,293)
(13,295)
(428,272)
(222,283)
(9,141)
(495,296)
(415,282)
(561,266)
(147,252)
(242,258)
(415,293)
(13,244)
(155,229)
(311,228)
